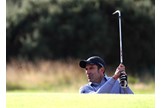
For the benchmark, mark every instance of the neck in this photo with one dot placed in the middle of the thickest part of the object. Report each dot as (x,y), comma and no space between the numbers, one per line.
(100,79)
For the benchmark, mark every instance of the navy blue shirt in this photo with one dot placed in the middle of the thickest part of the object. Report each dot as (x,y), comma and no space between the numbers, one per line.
(107,85)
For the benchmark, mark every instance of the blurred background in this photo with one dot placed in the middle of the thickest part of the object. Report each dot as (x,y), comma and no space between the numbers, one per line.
(46,39)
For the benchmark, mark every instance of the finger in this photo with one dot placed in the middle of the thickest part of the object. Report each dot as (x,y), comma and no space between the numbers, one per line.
(121,65)
(121,68)
(124,73)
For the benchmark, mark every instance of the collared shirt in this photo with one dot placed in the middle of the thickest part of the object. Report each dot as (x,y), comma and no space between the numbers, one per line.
(107,85)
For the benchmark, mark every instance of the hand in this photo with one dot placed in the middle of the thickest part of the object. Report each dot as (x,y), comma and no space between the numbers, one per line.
(120,68)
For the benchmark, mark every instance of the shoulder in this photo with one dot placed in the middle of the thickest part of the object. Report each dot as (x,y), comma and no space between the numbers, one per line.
(85,88)
(106,77)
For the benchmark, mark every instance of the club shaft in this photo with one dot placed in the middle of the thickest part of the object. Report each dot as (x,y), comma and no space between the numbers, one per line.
(120,37)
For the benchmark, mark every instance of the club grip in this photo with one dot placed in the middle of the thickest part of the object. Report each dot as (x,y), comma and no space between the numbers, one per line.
(123,80)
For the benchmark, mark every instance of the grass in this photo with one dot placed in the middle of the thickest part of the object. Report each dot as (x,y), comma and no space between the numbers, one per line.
(72,100)
(56,76)
(44,75)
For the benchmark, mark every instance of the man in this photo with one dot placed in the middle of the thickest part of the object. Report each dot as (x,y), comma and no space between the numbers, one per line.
(99,82)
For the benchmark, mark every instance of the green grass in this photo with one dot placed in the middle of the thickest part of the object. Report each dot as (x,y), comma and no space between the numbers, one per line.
(74,100)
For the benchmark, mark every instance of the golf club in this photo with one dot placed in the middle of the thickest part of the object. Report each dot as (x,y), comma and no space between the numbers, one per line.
(120,36)
(123,78)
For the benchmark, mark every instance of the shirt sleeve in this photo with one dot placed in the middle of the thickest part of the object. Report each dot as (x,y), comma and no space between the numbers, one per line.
(126,91)
(107,87)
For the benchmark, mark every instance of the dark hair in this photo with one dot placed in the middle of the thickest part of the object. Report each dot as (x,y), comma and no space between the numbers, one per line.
(99,66)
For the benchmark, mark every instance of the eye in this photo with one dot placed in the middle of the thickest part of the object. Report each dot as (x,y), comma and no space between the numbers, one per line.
(92,67)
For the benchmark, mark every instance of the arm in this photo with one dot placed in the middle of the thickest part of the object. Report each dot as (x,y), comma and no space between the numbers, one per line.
(113,82)
(107,87)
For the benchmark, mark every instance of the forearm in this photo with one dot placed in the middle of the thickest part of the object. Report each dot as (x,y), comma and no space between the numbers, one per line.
(107,87)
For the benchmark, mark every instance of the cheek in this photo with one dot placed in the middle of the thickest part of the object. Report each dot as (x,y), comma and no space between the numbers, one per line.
(99,73)
(96,73)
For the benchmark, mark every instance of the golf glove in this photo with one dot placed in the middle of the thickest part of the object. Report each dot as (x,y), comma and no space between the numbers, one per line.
(123,80)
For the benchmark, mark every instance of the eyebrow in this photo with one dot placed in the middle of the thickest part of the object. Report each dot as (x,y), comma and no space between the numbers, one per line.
(91,66)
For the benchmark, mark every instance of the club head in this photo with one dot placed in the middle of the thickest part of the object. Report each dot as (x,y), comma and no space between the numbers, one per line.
(117,11)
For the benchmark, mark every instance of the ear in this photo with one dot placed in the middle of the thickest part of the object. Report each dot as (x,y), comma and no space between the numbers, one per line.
(102,69)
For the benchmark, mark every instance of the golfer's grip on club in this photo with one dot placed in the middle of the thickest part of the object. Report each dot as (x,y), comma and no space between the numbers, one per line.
(121,74)
(123,79)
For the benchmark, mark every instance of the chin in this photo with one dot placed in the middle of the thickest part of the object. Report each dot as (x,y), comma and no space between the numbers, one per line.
(89,80)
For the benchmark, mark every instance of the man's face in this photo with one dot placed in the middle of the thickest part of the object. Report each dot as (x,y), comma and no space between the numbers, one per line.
(93,73)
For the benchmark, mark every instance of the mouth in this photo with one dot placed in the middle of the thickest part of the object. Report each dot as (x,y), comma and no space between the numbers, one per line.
(89,77)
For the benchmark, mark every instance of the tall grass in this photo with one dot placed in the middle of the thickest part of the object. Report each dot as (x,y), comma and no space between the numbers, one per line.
(57,76)
(44,75)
